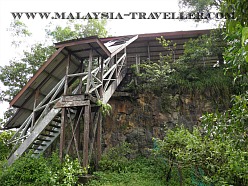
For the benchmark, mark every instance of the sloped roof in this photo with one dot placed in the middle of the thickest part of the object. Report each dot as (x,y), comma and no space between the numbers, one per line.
(54,69)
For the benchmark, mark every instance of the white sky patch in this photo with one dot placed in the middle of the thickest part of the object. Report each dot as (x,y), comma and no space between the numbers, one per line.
(116,27)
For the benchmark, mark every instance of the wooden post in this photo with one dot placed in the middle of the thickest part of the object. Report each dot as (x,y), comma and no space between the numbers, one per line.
(93,129)
(77,126)
(86,136)
(89,73)
(87,114)
(99,140)
(62,134)
(63,114)
(99,125)
(80,110)
(80,80)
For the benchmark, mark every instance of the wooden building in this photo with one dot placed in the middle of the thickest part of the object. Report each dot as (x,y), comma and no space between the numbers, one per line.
(68,91)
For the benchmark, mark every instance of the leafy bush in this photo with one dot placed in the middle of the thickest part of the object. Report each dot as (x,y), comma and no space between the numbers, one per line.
(218,149)
(5,148)
(28,170)
(105,109)
(67,175)
(117,158)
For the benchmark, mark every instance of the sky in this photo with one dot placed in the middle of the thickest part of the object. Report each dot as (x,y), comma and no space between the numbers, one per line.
(116,8)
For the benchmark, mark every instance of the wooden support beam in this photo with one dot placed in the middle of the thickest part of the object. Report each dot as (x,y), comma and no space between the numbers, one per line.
(86,136)
(78,74)
(99,141)
(73,135)
(62,134)
(66,74)
(93,128)
(77,125)
(64,115)
(80,80)
(73,98)
(89,73)
(72,101)
(64,104)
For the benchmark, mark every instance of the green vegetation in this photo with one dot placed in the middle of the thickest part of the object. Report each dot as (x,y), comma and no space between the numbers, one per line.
(5,148)
(189,74)
(140,171)
(218,148)
(41,171)
(182,79)
(121,166)
(28,170)
(105,109)
(213,153)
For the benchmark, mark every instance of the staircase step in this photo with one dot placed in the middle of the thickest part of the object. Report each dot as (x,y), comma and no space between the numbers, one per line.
(39,144)
(49,130)
(33,148)
(57,120)
(42,139)
(47,135)
(39,149)
(55,126)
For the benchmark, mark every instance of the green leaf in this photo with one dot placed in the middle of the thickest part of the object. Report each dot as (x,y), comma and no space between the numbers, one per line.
(231,26)
(244,35)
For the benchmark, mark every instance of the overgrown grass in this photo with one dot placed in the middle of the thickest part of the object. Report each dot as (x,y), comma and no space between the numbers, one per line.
(140,171)
(118,169)
(143,171)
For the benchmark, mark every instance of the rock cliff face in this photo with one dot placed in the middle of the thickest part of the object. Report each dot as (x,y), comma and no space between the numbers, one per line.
(138,119)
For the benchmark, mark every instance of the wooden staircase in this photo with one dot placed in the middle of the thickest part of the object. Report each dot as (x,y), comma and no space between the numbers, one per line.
(62,109)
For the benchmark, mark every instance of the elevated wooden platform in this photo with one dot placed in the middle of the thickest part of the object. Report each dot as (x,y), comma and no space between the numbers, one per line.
(65,92)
